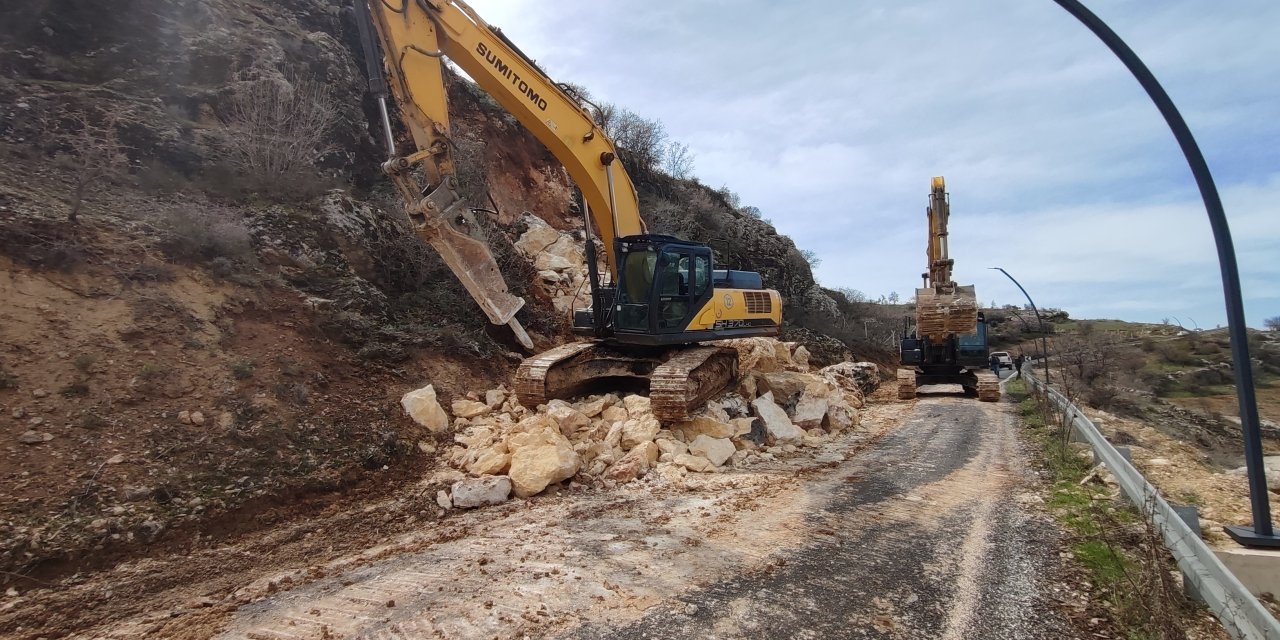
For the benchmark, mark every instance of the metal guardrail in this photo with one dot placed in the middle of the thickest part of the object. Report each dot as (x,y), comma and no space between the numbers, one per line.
(1240,613)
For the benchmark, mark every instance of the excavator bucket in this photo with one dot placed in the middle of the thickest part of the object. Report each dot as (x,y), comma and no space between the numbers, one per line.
(939,313)
(471,261)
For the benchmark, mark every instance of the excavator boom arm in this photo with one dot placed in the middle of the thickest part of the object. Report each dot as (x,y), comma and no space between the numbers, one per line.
(415,34)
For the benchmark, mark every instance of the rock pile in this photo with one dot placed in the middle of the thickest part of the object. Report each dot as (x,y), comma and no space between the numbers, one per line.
(777,404)
(560,261)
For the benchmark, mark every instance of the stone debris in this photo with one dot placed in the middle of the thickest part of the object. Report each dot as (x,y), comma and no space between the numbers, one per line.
(560,261)
(470,493)
(506,449)
(422,406)
(35,437)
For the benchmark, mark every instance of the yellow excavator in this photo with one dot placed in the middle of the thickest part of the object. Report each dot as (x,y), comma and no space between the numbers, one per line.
(659,296)
(949,344)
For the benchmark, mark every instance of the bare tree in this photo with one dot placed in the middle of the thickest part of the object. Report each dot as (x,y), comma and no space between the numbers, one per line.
(606,115)
(811,257)
(642,138)
(278,127)
(95,154)
(678,160)
(1272,324)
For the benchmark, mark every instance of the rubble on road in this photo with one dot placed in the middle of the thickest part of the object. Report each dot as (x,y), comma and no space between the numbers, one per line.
(777,405)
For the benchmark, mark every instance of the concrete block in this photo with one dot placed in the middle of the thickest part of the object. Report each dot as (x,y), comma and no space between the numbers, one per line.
(1257,569)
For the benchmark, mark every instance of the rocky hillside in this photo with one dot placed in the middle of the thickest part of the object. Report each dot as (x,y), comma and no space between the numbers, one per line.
(197,329)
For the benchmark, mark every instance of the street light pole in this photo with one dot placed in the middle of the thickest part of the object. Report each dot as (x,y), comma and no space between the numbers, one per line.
(1044,342)
(1262,533)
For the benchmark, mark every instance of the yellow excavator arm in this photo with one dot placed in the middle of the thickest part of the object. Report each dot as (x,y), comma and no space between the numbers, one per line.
(943,307)
(416,34)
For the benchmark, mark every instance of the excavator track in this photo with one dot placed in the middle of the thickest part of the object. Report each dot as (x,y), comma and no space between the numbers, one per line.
(906,384)
(679,379)
(688,379)
(988,387)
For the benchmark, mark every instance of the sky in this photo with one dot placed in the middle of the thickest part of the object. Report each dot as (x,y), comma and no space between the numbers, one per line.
(832,117)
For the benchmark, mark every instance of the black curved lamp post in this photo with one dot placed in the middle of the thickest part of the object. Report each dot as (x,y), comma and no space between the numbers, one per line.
(1261,534)
(1044,341)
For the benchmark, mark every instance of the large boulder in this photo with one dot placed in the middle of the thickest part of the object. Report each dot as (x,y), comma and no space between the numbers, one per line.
(478,492)
(786,386)
(811,409)
(755,354)
(551,262)
(540,458)
(491,460)
(567,417)
(800,359)
(862,377)
(639,430)
(635,463)
(840,415)
(424,408)
(705,425)
(776,422)
(693,463)
(469,408)
(717,450)
(637,406)
(538,237)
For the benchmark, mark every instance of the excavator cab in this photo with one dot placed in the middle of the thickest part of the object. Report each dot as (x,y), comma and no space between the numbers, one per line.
(662,283)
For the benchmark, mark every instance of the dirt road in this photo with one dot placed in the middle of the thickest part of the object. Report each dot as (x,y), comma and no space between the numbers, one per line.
(922,524)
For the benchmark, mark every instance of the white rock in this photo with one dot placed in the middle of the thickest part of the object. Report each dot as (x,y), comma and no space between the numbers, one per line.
(693,463)
(614,436)
(442,499)
(184,417)
(35,437)
(614,414)
(840,416)
(812,407)
(717,450)
(776,421)
(551,262)
(538,237)
(638,430)
(197,418)
(634,464)
(422,406)
(755,354)
(800,357)
(478,492)
(706,425)
(116,459)
(469,408)
(567,418)
(593,408)
(637,406)
(742,426)
(490,461)
(539,459)
(671,446)
(495,397)
(566,247)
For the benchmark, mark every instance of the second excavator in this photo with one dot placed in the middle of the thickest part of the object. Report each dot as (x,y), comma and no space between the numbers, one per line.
(949,344)
(657,298)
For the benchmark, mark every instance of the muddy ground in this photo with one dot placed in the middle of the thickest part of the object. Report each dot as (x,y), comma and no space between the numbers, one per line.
(924,523)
